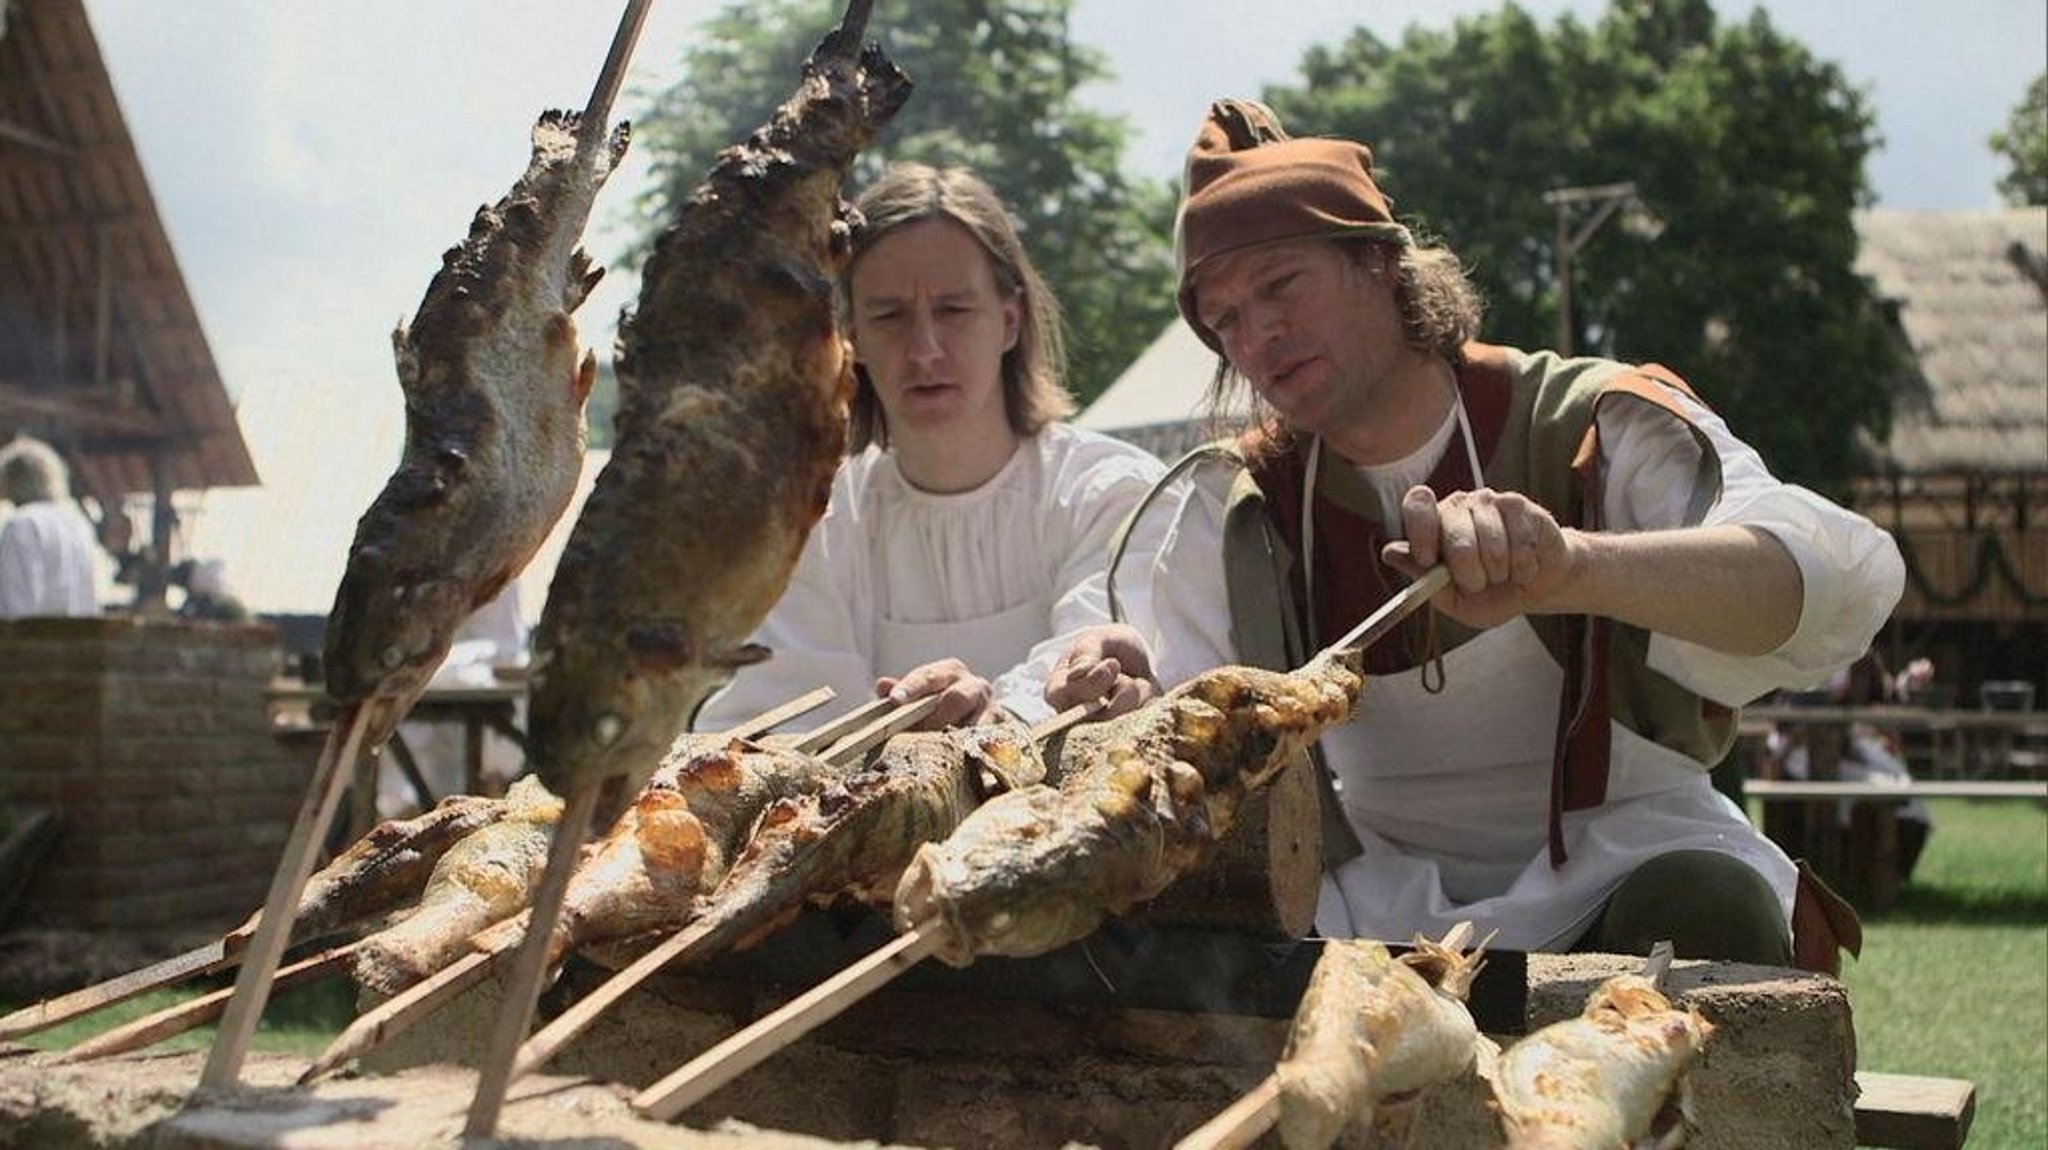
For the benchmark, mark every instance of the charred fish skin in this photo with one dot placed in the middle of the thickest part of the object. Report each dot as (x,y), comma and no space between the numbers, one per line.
(1141,799)
(387,868)
(1371,1027)
(733,384)
(855,836)
(494,391)
(1611,1076)
(672,844)
(485,878)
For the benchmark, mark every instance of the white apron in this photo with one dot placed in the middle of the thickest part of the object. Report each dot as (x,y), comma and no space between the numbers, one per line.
(989,645)
(1449,797)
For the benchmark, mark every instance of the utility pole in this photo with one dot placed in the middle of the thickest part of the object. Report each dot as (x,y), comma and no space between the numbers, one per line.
(1607,200)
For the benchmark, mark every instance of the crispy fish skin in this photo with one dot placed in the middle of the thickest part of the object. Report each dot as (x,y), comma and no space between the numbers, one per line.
(1605,1078)
(673,843)
(481,880)
(494,391)
(389,866)
(1141,799)
(733,383)
(1369,1028)
(855,835)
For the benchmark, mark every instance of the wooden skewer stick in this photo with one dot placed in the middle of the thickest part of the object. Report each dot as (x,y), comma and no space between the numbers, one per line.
(529,966)
(174,1020)
(776,716)
(571,1022)
(273,927)
(1241,1123)
(875,733)
(213,956)
(840,727)
(397,1014)
(1376,625)
(702,1075)
(226,951)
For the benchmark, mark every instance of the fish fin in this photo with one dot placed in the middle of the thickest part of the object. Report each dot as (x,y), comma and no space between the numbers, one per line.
(744,655)
(586,374)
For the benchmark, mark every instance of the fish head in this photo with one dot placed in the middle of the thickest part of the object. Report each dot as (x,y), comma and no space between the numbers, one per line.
(611,702)
(391,626)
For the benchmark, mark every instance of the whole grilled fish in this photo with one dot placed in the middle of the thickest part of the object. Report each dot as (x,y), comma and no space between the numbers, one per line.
(675,842)
(485,878)
(494,391)
(387,868)
(855,835)
(733,382)
(1372,1027)
(1607,1078)
(1141,799)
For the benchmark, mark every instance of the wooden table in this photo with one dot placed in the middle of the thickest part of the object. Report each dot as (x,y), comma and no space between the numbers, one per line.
(1961,744)
(477,709)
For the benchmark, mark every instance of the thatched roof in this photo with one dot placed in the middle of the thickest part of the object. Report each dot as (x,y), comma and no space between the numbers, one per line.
(1970,293)
(101,351)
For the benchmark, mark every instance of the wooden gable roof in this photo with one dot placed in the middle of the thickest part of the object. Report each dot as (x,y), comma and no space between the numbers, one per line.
(101,351)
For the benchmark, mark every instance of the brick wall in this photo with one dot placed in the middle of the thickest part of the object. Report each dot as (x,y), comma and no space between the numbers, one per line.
(151,740)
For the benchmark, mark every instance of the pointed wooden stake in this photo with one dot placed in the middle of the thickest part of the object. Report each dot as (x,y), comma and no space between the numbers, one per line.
(702,1075)
(273,928)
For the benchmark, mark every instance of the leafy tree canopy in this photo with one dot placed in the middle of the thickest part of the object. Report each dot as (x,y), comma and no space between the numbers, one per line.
(995,90)
(1748,148)
(2024,144)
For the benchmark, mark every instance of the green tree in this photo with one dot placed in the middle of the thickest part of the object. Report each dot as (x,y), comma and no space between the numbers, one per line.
(995,90)
(2024,144)
(1748,149)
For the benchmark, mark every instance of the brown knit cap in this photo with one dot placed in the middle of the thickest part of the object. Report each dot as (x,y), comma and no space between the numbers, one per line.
(1249,183)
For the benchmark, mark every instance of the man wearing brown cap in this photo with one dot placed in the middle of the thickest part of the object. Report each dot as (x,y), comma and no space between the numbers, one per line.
(1625,573)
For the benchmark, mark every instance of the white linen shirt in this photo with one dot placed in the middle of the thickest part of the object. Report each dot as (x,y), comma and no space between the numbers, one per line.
(1007,571)
(1451,818)
(46,565)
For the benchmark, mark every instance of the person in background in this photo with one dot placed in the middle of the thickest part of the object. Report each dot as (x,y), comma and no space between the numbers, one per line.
(967,532)
(46,546)
(1868,754)
(1533,754)
(207,594)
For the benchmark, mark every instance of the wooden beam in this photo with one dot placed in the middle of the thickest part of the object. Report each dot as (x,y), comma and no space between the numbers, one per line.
(81,415)
(14,133)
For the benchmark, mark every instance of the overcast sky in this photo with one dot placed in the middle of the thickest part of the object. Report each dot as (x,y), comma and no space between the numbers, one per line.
(312,159)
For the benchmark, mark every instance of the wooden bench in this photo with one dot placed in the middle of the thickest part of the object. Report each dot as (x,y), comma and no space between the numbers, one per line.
(1912,1112)
(1799,816)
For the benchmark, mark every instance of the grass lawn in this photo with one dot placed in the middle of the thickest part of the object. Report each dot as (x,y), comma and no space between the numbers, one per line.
(298,1021)
(1954,979)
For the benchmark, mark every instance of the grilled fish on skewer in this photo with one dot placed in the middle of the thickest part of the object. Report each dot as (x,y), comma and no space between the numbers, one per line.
(1607,1078)
(696,809)
(494,444)
(1370,1028)
(853,837)
(481,880)
(733,383)
(381,871)
(1140,800)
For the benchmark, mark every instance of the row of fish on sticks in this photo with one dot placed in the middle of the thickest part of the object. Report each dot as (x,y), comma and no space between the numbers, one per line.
(1373,1031)
(974,841)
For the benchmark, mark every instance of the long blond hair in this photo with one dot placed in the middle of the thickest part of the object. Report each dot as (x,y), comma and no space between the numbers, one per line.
(1034,370)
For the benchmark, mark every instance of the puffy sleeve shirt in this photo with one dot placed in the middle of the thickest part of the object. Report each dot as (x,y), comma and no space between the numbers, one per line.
(1850,569)
(894,577)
